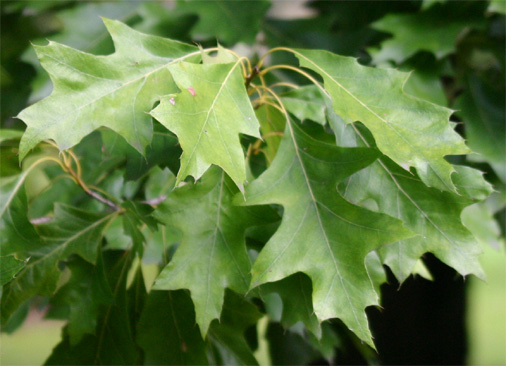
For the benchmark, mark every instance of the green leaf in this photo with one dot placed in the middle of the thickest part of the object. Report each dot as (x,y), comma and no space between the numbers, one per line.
(159,184)
(7,134)
(425,79)
(9,267)
(135,215)
(272,125)
(434,30)
(9,188)
(429,3)
(497,6)
(428,212)
(72,231)
(86,290)
(164,150)
(295,292)
(479,220)
(229,21)
(212,254)
(113,342)
(223,56)
(482,108)
(412,132)
(306,103)
(167,333)
(207,116)
(228,335)
(80,27)
(375,270)
(17,234)
(321,235)
(114,91)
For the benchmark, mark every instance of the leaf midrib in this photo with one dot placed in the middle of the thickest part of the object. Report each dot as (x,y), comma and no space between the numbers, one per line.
(320,223)
(413,202)
(211,108)
(60,247)
(143,76)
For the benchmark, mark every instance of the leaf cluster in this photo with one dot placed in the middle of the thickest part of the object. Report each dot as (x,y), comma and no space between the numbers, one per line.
(173,199)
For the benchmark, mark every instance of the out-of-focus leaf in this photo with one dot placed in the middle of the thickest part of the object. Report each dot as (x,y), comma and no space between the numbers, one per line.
(272,125)
(72,231)
(497,6)
(227,335)
(295,293)
(6,134)
(9,267)
(134,216)
(229,21)
(434,30)
(160,183)
(167,332)
(113,342)
(428,3)
(164,151)
(85,291)
(479,220)
(306,103)
(482,107)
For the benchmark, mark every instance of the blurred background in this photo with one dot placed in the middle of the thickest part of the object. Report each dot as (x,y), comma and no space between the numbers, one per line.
(456,53)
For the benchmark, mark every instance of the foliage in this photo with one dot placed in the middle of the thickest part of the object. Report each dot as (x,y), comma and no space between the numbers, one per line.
(276,187)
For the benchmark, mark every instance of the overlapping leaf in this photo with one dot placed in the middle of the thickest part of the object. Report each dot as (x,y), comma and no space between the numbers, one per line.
(84,293)
(212,255)
(432,214)
(115,91)
(306,103)
(167,332)
(9,266)
(412,132)
(207,116)
(295,293)
(72,231)
(113,342)
(227,335)
(321,234)
(484,115)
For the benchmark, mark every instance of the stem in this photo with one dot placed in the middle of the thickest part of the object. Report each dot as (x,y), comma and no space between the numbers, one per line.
(241,58)
(92,194)
(77,178)
(282,83)
(262,101)
(293,68)
(254,72)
